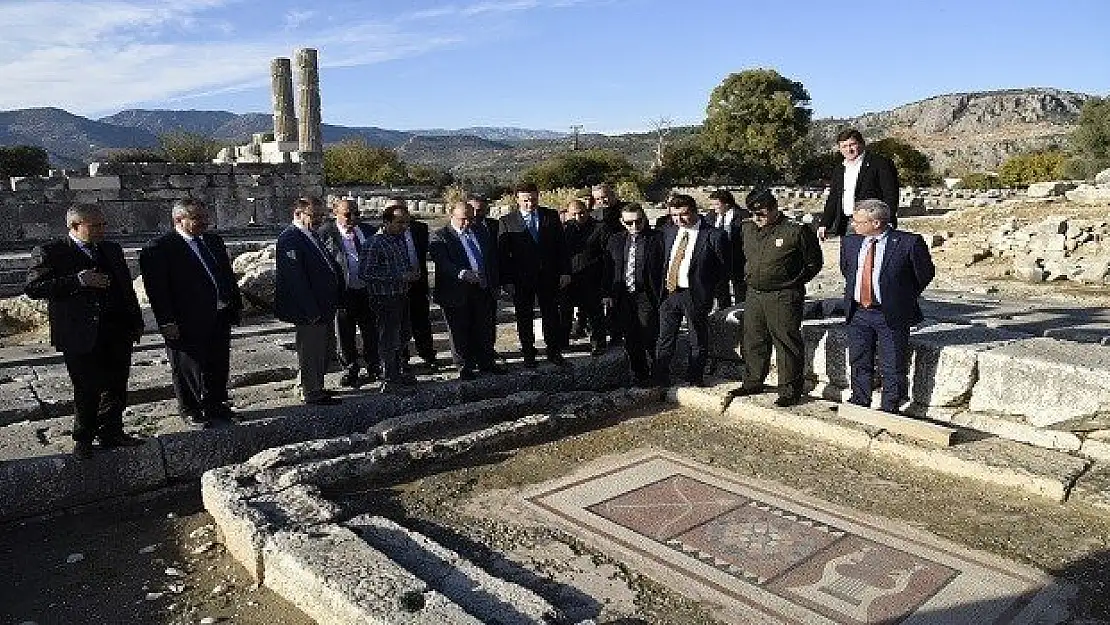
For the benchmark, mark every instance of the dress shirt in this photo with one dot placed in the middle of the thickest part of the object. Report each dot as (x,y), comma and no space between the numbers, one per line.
(684,267)
(463,235)
(880,250)
(410,246)
(353,242)
(385,265)
(851,175)
(725,218)
(84,247)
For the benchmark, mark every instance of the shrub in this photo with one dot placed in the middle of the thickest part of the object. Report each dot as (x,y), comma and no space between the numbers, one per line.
(979,181)
(187,147)
(582,168)
(136,155)
(23,160)
(1024,169)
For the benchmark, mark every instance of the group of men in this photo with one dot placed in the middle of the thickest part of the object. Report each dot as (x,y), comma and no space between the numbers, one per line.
(342,280)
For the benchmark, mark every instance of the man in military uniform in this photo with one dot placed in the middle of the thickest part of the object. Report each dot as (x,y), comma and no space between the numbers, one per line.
(782,255)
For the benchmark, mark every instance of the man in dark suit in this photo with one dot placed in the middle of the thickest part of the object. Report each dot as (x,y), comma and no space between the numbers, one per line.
(534,265)
(607,209)
(885,271)
(633,288)
(94,321)
(465,288)
(195,300)
(306,294)
(729,217)
(862,175)
(696,255)
(420,322)
(482,221)
(782,255)
(345,239)
(585,240)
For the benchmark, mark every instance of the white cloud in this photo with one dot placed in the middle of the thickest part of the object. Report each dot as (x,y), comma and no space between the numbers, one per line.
(295,19)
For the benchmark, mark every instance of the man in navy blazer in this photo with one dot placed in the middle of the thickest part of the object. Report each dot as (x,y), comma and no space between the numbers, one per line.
(306,294)
(882,309)
(695,255)
(188,279)
(862,175)
(465,288)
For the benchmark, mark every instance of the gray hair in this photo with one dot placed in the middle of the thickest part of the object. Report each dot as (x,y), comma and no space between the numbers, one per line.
(876,209)
(185,207)
(80,212)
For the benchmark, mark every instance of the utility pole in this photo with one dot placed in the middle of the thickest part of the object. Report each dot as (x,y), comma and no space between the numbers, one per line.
(575,129)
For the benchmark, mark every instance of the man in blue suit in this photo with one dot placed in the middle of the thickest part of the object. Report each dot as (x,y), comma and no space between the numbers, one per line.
(885,271)
(306,294)
(465,287)
(696,255)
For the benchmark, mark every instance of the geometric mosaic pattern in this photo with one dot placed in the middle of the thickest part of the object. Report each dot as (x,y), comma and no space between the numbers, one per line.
(788,560)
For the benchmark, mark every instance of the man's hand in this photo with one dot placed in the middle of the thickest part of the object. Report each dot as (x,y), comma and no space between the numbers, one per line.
(94,279)
(564,280)
(170,331)
(822,233)
(471,276)
(510,290)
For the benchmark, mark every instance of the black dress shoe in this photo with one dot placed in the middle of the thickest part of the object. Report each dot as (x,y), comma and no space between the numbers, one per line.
(557,359)
(121,439)
(323,400)
(745,391)
(786,400)
(349,379)
(373,374)
(82,450)
(218,413)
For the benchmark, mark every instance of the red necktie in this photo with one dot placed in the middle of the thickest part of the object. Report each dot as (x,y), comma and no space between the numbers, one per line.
(866,297)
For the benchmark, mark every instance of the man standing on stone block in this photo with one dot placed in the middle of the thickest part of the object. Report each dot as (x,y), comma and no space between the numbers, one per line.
(534,266)
(388,272)
(345,239)
(696,256)
(466,288)
(863,175)
(416,246)
(188,279)
(306,294)
(782,255)
(585,240)
(633,287)
(729,218)
(885,271)
(94,320)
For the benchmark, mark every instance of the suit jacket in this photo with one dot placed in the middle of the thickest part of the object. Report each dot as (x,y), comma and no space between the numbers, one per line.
(490,225)
(333,244)
(420,237)
(524,261)
(709,261)
(449,255)
(178,285)
(733,231)
(78,313)
(307,283)
(585,243)
(878,180)
(650,264)
(906,270)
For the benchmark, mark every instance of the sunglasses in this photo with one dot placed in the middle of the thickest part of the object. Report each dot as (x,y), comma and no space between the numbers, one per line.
(634,222)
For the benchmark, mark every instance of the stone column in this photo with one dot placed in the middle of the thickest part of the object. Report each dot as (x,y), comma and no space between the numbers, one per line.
(308,91)
(285,122)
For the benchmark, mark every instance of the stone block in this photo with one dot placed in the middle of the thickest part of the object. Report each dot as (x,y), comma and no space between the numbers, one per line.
(1018,432)
(1043,381)
(811,419)
(186,181)
(1088,194)
(826,347)
(1049,189)
(902,426)
(1102,178)
(944,360)
(243,529)
(1093,488)
(95,183)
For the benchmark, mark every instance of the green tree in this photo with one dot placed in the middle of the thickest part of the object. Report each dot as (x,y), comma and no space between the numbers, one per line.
(913,166)
(23,160)
(356,162)
(818,169)
(187,147)
(1090,142)
(979,181)
(687,164)
(428,176)
(758,118)
(1021,170)
(137,155)
(581,168)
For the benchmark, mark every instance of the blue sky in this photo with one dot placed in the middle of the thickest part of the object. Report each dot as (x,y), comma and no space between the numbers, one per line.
(609,65)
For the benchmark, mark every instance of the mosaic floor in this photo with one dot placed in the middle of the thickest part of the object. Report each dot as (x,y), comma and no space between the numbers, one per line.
(764,554)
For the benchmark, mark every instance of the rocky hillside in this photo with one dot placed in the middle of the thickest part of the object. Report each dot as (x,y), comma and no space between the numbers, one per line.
(69,139)
(974,131)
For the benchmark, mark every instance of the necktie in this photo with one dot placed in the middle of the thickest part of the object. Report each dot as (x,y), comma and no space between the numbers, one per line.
(630,266)
(866,296)
(676,262)
(533,228)
(223,288)
(94,253)
(328,260)
(475,250)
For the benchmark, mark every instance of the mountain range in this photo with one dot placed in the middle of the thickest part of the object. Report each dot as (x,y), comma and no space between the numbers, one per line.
(957,131)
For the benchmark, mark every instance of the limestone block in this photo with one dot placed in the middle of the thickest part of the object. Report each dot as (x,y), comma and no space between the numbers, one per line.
(1049,189)
(1089,194)
(1102,178)
(95,183)
(220,180)
(258,284)
(1019,432)
(726,333)
(1043,381)
(182,181)
(243,529)
(826,347)
(944,360)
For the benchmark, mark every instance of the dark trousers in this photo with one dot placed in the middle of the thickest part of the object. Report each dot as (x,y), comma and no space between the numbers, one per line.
(471,327)
(867,330)
(672,310)
(99,380)
(392,313)
(637,316)
(586,295)
(729,291)
(354,314)
(420,321)
(774,318)
(525,297)
(200,366)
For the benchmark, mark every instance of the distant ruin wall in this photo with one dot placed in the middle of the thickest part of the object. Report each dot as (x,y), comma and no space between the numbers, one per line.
(136,197)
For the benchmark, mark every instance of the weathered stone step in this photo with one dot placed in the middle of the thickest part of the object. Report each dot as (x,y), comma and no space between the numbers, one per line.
(489,598)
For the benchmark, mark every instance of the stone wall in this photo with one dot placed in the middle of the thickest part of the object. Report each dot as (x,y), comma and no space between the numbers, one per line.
(136,197)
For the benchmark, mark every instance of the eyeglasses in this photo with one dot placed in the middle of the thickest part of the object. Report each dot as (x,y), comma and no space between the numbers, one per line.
(634,222)
(762,212)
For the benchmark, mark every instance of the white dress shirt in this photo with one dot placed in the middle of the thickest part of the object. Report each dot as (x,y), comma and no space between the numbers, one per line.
(684,267)
(851,175)
(880,250)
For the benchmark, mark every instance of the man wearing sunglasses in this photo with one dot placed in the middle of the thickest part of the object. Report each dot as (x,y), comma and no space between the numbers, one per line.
(782,255)
(634,286)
